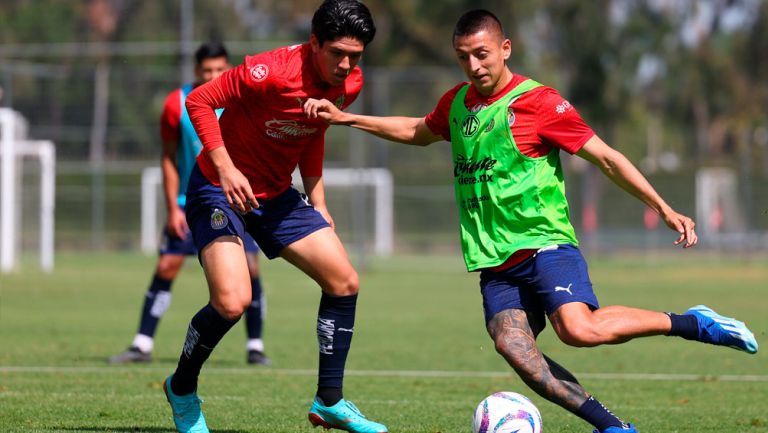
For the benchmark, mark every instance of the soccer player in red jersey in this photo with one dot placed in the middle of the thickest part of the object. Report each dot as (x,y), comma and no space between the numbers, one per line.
(242,184)
(506,132)
(180,148)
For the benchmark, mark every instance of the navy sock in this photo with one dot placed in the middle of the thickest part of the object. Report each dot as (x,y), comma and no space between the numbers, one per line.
(335,325)
(254,315)
(156,302)
(205,331)
(684,325)
(593,412)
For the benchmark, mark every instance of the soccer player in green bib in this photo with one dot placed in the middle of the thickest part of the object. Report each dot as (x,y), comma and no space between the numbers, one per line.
(506,133)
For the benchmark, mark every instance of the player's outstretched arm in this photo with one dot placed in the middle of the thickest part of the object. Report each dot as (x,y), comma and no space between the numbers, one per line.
(408,130)
(623,173)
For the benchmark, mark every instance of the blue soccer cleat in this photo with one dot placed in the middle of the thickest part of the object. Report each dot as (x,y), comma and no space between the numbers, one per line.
(630,429)
(343,416)
(723,331)
(187,414)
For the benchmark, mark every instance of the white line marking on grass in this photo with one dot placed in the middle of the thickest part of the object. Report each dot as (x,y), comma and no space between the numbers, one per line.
(387,373)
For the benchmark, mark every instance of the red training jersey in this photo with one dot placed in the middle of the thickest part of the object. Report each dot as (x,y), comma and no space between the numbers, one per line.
(540,120)
(170,119)
(263,127)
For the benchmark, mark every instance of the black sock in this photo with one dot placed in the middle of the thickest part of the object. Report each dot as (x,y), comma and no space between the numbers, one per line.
(205,331)
(335,325)
(156,302)
(684,325)
(593,412)
(254,314)
(329,396)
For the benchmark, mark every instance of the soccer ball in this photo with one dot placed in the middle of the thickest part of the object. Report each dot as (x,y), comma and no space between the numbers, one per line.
(506,412)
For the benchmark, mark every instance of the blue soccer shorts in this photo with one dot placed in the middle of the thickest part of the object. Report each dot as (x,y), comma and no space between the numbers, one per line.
(174,245)
(277,222)
(552,277)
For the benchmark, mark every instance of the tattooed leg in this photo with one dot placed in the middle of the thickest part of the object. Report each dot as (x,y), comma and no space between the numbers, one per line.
(516,342)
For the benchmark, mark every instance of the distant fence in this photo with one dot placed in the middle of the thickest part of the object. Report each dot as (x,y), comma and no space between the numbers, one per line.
(101,209)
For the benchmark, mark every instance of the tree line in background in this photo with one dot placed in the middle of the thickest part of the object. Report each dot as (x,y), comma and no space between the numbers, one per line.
(668,82)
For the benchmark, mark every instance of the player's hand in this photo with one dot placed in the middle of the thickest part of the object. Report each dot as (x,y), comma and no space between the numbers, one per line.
(237,190)
(176,224)
(323,109)
(327,215)
(683,225)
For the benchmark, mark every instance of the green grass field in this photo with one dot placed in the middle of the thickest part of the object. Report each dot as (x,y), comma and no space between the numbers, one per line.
(420,361)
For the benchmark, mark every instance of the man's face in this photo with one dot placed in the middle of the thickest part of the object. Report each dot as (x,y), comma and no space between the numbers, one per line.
(482,56)
(210,69)
(335,59)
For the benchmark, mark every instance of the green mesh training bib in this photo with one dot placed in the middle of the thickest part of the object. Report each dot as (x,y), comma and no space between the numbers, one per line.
(507,201)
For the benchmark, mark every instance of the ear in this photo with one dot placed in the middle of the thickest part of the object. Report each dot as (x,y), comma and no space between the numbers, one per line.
(506,48)
(314,43)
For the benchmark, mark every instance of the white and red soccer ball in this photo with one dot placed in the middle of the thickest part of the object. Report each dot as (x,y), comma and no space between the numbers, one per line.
(506,412)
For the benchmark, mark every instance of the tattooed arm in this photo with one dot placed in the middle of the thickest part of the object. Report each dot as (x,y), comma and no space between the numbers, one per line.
(516,342)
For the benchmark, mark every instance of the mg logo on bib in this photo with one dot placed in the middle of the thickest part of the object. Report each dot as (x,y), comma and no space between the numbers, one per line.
(469,125)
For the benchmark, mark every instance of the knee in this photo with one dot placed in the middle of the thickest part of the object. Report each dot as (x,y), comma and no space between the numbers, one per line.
(231,312)
(507,347)
(168,267)
(517,357)
(231,308)
(347,286)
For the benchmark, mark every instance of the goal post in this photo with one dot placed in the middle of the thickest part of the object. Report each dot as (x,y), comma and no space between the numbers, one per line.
(13,147)
(380,179)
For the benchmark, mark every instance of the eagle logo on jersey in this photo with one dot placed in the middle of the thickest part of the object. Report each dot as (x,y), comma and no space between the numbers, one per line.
(339,102)
(218,219)
(259,72)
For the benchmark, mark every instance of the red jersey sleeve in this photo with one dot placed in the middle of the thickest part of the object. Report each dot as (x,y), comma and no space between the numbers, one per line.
(170,119)
(437,121)
(218,93)
(559,124)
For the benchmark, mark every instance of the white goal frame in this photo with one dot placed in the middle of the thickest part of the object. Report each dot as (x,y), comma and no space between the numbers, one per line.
(380,179)
(13,147)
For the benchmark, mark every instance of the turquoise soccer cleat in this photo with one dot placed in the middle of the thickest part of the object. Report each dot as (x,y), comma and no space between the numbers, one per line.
(187,414)
(343,416)
(723,331)
(630,429)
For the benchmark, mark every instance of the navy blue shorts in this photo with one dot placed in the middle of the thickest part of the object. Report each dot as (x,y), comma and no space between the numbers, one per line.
(276,224)
(552,277)
(170,244)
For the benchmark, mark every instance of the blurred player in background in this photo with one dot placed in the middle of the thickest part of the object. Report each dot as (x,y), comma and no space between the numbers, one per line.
(242,185)
(180,148)
(506,132)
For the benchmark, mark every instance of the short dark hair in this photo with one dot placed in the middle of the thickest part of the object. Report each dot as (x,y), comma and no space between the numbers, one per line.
(477,20)
(343,18)
(210,50)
